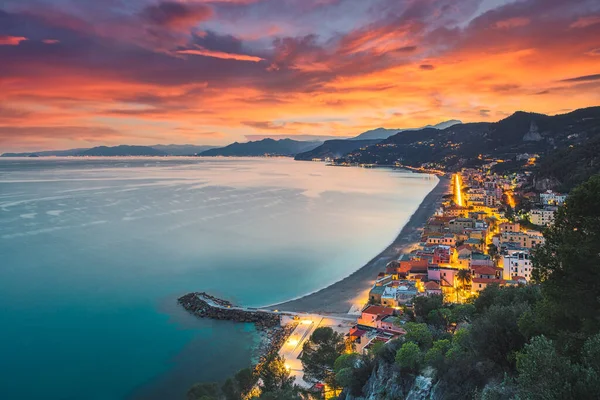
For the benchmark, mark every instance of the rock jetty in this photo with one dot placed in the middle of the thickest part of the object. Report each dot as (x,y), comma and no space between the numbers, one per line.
(204,305)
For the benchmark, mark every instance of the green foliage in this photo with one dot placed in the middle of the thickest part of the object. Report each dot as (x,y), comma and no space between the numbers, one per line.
(496,335)
(423,305)
(345,377)
(347,360)
(203,391)
(419,334)
(241,383)
(319,354)
(567,266)
(543,373)
(436,355)
(462,313)
(409,357)
(274,375)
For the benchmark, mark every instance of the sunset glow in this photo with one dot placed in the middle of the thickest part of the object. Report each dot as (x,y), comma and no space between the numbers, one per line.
(85,73)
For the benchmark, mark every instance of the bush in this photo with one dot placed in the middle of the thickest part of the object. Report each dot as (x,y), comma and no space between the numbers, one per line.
(409,357)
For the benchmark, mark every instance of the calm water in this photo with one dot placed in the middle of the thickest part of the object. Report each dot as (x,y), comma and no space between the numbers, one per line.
(94,253)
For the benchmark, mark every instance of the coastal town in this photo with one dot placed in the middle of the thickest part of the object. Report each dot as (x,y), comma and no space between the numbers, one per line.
(482,233)
(475,239)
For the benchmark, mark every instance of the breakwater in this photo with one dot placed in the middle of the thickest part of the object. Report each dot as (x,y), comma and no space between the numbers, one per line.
(204,305)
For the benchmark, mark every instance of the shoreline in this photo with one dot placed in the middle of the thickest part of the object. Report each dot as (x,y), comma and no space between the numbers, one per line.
(338,297)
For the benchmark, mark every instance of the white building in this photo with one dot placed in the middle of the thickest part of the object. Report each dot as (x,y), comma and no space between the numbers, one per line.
(552,199)
(517,263)
(542,217)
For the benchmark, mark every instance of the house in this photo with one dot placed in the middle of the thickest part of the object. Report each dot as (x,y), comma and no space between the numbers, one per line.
(517,264)
(486,272)
(406,292)
(479,284)
(375,294)
(371,314)
(509,227)
(447,239)
(542,217)
(476,244)
(390,324)
(432,288)
(388,298)
(480,260)
(551,198)
(460,224)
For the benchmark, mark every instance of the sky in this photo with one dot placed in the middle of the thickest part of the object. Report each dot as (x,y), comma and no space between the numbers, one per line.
(82,73)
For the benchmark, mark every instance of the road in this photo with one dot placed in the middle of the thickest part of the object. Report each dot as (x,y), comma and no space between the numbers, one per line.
(293,347)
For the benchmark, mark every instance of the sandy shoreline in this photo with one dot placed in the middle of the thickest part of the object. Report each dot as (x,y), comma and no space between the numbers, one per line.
(337,298)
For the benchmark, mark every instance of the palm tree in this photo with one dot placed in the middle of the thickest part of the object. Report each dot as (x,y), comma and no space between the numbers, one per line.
(464,276)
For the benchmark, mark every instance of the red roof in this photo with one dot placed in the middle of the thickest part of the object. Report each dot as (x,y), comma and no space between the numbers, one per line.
(357,332)
(488,280)
(379,310)
(464,246)
(484,270)
(431,285)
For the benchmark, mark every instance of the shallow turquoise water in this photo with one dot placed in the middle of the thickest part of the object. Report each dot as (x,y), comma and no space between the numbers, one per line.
(94,252)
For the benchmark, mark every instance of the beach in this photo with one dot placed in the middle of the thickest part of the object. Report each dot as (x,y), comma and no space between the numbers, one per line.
(340,297)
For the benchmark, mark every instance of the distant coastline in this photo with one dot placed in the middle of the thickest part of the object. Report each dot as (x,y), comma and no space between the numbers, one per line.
(337,298)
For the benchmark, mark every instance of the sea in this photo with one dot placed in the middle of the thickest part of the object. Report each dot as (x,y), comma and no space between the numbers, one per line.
(95,252)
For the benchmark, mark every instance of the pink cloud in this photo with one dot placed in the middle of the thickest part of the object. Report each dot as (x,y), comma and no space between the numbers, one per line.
(6,40)
(220,54)
(584,22)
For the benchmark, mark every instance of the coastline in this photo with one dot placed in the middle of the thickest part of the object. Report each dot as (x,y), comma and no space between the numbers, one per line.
(338,297)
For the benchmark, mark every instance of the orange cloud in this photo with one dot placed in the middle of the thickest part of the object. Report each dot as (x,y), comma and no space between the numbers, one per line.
(220,54)
(11,40)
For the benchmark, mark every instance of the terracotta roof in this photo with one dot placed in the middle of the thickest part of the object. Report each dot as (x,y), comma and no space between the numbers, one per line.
(357,332)
(431,285)
(484,270)
(487,280)
(378,310)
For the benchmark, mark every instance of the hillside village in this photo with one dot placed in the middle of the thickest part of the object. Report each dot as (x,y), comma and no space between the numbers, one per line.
(475,239)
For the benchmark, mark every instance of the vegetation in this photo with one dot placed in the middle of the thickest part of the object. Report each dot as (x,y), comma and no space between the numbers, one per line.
(532,342)
(319,355)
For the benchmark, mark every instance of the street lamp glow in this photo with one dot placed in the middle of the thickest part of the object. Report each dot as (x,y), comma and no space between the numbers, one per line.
(458,191)
(306,321)
(293,342)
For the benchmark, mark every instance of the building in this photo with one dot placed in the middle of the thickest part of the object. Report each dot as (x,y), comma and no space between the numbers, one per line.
(509,227)
(376,293)
(517,264)
(460,224)
(552,199)
(372,314)
(432,288)
(542,217)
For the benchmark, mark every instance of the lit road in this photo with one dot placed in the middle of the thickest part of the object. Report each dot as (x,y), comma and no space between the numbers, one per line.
(292,348)
(458,197)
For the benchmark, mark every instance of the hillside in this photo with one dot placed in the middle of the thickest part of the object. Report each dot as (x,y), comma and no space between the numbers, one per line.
(181,149)
(335,149)
(283,147)
(383,133)
(522,132)
(49,153)
(104,151)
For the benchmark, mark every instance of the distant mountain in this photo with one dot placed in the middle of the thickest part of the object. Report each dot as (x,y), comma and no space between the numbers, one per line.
(383,133)
(567,144)
(104,151)
(334,149)
(51,153)
(181,149)
(283,147)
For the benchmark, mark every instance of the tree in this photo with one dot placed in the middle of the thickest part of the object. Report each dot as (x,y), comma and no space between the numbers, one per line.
(496,334)
(319,354)
(492,250)
(435,355)
(464,276)
(543,373)
(243,381)
(274,375)
(409,357)
(419,334)
(567,266)
(203,391)
(423,305)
